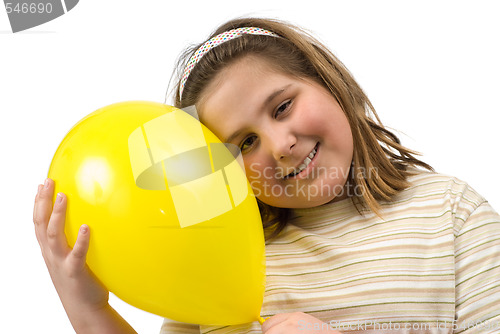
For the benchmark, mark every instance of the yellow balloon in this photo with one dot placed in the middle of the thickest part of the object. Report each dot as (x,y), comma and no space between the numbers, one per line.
(175,226)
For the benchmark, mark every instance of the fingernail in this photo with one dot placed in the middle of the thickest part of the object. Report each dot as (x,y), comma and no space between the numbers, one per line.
(46,184)
(84,229)
(59,198)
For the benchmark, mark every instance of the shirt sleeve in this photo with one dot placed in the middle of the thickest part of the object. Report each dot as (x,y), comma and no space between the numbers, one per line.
(175,327)
(477,265)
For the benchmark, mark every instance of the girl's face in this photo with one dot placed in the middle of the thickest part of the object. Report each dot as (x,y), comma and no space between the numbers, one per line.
(295,139)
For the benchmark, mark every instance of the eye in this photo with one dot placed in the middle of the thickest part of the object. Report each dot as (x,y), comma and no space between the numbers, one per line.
(248,143)
(282,108)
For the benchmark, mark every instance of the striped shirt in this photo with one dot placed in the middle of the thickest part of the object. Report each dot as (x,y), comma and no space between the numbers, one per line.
(429,264)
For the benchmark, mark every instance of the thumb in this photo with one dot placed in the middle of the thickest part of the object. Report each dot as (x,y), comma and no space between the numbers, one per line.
(79,253)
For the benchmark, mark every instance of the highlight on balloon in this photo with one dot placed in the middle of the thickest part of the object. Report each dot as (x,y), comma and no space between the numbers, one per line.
(191,168)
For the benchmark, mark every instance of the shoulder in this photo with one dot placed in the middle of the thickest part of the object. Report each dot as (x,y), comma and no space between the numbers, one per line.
(426,186)
(439,195)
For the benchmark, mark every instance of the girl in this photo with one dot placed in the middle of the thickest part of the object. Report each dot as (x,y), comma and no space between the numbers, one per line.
(362,235)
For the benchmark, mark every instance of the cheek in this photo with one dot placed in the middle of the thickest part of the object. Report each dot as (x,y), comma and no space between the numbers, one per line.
(258,172)
(253,169)
(319,115)
(333,124)
(309,118)
(342,132)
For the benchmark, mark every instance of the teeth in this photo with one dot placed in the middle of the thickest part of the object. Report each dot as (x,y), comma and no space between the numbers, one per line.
(303,166)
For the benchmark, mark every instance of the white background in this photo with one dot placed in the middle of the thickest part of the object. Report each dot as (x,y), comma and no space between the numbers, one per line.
(431,68)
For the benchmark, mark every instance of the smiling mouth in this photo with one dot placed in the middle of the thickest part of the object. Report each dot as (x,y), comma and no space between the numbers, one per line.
(304,163)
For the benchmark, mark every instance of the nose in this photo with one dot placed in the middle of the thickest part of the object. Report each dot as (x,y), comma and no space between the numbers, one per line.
(281,143)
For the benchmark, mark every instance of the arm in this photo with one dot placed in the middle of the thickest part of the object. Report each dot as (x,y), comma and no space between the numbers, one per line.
(84,298)
(477,269)
(172,326)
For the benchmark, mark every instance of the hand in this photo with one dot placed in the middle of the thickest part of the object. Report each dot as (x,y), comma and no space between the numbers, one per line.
(79,290)
(298,322)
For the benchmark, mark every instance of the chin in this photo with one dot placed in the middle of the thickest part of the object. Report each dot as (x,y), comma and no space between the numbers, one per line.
(305,203)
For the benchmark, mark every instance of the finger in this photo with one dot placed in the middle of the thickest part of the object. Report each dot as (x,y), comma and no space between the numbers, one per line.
(42,211)
(273,321)
(43,203)
(40,186)
(55,229)
(39,232)
(79,253)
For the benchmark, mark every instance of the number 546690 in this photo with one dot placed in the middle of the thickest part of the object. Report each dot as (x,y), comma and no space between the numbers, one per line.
(26,7)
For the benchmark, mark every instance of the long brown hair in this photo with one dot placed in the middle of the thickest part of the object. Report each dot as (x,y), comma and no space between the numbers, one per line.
(377,151)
